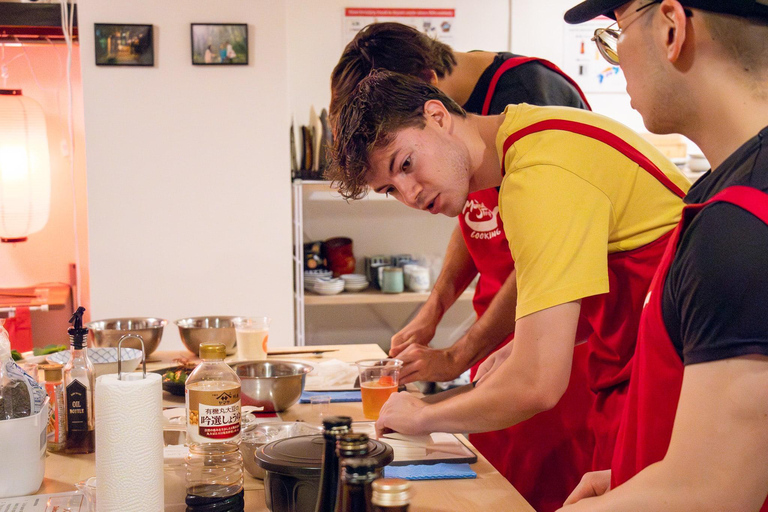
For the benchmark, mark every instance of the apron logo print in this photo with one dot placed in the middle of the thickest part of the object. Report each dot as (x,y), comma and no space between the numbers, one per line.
(479,218)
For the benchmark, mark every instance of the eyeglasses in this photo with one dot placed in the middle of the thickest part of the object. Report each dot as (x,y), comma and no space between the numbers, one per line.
(607,39)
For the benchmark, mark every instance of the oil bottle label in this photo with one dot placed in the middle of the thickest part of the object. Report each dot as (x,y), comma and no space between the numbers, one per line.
(214,415)
(77,407)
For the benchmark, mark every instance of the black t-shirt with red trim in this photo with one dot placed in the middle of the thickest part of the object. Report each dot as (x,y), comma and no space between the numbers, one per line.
(531,82)
(715,302)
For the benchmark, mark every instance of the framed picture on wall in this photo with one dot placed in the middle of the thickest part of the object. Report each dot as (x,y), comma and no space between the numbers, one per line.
(124,45)
(217,44)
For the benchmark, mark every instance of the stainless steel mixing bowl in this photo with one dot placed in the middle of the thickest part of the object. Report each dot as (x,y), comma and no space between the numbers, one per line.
(107,333)
(274,385)
(207,329)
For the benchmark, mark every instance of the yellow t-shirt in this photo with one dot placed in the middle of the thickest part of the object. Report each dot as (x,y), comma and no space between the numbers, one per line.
(568,200)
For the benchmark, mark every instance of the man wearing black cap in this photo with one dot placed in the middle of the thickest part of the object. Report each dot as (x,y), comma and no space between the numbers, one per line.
(694,433)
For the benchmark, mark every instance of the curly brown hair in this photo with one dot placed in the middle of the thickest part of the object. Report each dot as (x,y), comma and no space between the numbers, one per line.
(382,104)
(391,46)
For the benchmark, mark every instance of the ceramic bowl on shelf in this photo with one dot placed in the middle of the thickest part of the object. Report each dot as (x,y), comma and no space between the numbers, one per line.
(328,286)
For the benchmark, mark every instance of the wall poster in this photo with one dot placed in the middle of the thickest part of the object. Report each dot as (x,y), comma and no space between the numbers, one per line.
(583,62)
(437,23)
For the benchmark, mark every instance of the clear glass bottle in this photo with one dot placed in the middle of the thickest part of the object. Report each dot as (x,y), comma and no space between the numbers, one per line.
(333,428)
(214,465)
(78,390)
(57,427)
(390,495)
(357,475)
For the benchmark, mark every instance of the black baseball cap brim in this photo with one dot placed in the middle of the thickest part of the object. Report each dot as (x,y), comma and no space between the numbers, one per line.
(585,11)
(590,9)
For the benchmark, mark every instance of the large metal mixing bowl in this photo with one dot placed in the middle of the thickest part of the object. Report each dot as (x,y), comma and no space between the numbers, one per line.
(107,333)
(207,329)
(274,385)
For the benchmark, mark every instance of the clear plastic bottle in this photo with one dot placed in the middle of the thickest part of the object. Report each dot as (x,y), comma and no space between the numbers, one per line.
(79,386)
(214,465)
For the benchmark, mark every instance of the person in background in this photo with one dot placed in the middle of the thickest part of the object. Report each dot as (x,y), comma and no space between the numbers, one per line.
(587,206)
(544,457)
(694,435)
(208,58)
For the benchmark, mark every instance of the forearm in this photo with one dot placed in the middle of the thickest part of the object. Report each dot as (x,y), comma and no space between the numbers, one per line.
(531,380)
(457,272)
(491,329)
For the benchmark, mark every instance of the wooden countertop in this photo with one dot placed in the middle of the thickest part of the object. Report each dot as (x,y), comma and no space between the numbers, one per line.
(489,491)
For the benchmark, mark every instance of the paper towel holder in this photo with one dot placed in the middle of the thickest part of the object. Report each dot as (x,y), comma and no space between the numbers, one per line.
(120,355)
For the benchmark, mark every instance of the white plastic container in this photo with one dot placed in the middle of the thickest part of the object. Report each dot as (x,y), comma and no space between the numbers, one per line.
(22,453)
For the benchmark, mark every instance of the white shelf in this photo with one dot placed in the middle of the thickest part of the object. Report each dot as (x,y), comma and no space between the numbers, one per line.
(323,191)
(373,297)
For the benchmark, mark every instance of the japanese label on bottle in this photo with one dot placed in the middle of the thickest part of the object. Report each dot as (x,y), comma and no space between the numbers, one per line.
(214,414)
(77,407)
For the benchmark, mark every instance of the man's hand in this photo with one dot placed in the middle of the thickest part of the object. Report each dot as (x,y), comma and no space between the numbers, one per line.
(592,484)
(419,331)
(428,364)
(401,413)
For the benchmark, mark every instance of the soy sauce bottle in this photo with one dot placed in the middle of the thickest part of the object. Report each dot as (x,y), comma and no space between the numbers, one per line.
(357,475)
(78,390)
(333,428)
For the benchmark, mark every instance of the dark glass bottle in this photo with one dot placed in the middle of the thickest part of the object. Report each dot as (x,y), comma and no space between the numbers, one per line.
(351,445)
(357,474)
(78,389)
(390,495)
(333,428)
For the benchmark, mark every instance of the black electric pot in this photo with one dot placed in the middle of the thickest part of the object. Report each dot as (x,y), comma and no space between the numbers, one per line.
(292,469)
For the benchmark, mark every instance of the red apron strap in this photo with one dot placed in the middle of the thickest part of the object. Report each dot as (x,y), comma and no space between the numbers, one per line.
(750,199)
(596,133)
(513,62)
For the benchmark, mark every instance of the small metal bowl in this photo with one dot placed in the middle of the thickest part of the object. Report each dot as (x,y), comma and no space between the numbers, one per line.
(207,329)
(274,385)
(107,333)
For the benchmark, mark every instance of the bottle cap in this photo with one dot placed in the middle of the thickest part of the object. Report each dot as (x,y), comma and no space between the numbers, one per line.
(357,469)
(331,422)
(353,441)
(213,351)
(78,333)
(52,371)
(391,492)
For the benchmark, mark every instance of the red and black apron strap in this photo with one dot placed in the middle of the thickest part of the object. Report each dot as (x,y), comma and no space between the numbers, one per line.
(513,62)
(599,134)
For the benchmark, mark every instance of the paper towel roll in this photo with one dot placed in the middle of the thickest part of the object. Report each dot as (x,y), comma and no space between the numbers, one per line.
(129,443)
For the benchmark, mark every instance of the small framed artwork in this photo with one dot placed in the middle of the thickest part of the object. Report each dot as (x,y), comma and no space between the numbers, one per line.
(124,45)
(219,44)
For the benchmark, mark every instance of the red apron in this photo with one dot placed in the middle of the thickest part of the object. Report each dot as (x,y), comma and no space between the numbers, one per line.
(613,316)
(657,372)
(544,456)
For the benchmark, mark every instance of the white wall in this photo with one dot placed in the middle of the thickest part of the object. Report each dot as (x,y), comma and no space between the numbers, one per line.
(315,40)
(188,170)
(538,30)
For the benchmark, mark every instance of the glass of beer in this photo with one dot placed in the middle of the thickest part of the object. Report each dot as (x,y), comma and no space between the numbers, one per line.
(252,334)
(379,378)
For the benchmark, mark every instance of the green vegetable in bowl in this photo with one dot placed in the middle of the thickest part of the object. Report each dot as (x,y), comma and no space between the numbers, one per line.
(16,355)
(177,377)
(48,349)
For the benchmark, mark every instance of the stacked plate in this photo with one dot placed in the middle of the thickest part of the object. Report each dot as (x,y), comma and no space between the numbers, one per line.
(354,282)
(328,286)
(310,276)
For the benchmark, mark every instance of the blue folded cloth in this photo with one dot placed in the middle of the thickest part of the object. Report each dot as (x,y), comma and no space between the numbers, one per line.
(336,396)
(430,471)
